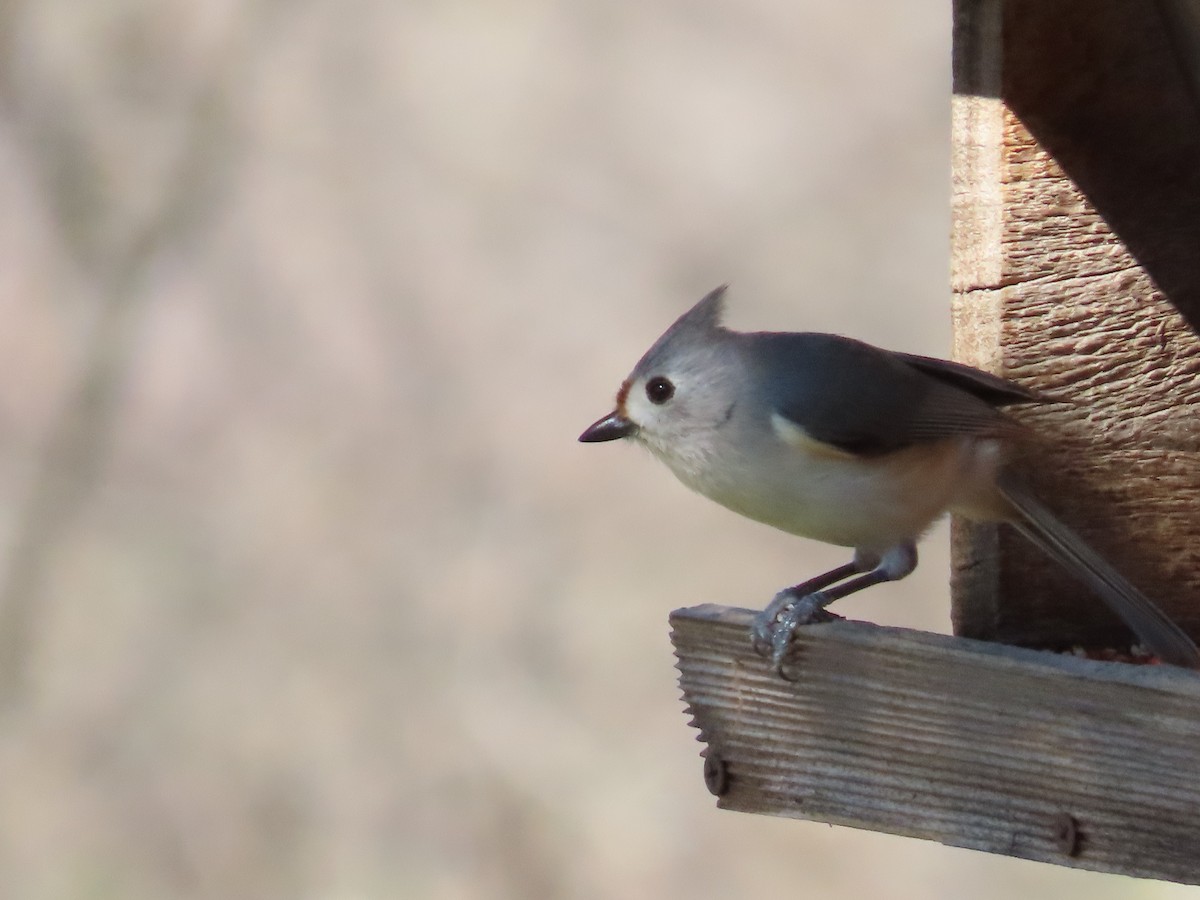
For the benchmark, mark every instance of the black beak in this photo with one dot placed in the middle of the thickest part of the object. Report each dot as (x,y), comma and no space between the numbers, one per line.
(610,428)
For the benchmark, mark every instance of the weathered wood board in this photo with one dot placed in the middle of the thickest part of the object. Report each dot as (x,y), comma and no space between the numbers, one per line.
(1013,751)
(1076,271)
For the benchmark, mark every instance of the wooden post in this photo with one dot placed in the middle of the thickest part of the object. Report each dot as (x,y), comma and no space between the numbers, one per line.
(1076,271)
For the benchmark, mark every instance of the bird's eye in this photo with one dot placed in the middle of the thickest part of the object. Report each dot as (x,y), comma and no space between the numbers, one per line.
(659,390)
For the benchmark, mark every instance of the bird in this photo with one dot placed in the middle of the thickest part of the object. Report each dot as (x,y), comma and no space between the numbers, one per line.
(830,438)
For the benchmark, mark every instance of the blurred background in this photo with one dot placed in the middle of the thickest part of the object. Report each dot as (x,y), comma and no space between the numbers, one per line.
(306,588)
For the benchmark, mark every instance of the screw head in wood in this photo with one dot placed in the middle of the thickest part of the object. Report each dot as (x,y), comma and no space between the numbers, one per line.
(716,774)
(1066,834)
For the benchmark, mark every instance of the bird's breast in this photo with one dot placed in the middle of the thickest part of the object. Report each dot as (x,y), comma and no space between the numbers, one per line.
(814,490)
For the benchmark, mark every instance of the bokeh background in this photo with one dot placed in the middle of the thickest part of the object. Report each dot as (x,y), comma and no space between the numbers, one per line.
(306,588)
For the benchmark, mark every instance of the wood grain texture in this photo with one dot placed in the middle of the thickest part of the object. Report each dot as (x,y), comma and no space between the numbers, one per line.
(968,743)
(977,121)
(1091,294)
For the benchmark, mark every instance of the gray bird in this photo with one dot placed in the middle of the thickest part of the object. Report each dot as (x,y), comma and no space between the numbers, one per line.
(832,439)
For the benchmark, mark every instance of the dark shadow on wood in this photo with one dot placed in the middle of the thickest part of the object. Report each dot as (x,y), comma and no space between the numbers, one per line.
(1100,87)
(1181,19)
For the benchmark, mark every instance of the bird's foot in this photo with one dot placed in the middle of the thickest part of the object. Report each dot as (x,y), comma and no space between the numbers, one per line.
(775,626)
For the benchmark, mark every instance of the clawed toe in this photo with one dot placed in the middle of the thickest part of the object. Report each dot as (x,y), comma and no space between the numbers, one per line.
(764,631)
(774,628)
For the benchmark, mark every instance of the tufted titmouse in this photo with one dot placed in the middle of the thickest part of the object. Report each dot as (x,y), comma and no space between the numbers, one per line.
(833,439)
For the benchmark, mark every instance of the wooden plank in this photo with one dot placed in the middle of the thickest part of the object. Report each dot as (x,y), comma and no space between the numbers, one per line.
(1076,223)
(1008,750)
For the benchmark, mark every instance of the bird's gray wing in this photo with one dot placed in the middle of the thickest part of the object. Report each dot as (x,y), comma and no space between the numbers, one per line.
(992,389)
(867,401)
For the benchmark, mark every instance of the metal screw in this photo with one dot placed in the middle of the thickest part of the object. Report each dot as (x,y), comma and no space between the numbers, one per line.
(1066,834)
(716,774)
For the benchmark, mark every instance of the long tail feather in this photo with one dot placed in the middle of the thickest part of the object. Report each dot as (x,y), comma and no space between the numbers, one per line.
(1064,546)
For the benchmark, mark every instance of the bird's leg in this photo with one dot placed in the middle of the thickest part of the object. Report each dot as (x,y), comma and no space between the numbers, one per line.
(805,603)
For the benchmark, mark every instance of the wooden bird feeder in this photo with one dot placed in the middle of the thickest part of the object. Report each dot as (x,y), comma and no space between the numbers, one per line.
(1075,271)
